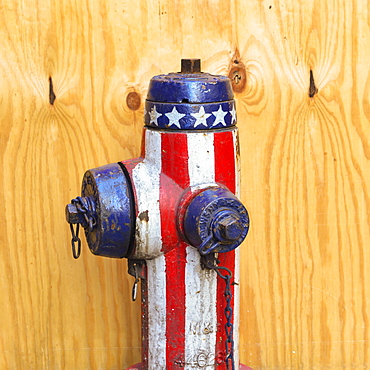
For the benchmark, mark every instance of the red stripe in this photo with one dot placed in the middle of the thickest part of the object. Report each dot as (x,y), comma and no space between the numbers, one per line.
(225,159)
(224,174)
(174,178)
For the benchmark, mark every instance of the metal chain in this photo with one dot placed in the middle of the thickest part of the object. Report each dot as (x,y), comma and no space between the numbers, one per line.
(83,206)
(229,327)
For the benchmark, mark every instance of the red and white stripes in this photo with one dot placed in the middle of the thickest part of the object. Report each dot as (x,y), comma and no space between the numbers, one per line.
(185,304)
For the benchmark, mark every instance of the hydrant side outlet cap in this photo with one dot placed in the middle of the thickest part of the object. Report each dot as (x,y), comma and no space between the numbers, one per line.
(110,190)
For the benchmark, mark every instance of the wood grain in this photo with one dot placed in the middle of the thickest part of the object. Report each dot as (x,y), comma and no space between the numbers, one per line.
(305,171)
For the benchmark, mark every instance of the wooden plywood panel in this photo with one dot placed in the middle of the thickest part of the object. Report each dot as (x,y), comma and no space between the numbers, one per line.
(305,171)
(306,292)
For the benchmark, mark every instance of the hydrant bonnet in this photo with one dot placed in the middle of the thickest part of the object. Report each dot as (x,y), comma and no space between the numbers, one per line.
(190,100)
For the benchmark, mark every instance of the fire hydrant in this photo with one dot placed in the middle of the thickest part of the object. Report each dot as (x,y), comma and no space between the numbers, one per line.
(174,214)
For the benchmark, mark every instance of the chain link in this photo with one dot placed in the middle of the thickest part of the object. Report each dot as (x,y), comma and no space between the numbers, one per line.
(75,239)
(134,288)
(229,327)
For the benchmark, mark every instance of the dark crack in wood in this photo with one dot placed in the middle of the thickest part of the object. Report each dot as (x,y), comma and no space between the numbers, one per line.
(52,96)
(313,89)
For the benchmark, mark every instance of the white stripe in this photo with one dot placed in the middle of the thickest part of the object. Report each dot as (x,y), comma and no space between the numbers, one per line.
(237,162)
(157,313)
(200,285)
(200,315)
(146,178)
(201,162)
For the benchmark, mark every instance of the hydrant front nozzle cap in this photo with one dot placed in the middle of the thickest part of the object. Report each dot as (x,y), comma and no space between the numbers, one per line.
(215,217)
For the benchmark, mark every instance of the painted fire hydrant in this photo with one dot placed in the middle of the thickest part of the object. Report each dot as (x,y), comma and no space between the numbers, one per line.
(174,214)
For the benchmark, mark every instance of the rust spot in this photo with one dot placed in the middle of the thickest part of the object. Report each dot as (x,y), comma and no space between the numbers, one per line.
(133,100)
(143,216)
(238,76)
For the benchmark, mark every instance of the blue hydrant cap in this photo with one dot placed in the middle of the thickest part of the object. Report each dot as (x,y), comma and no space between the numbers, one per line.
(190,100)
(194,87)
(216,221)
(109,190)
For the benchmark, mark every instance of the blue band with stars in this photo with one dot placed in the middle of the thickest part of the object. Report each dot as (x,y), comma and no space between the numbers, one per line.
(183,116)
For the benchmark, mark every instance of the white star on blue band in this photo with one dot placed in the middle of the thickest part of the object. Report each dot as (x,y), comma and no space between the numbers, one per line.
(201,117)
(233,115)
(220,117)
(154,115)
(174,117)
